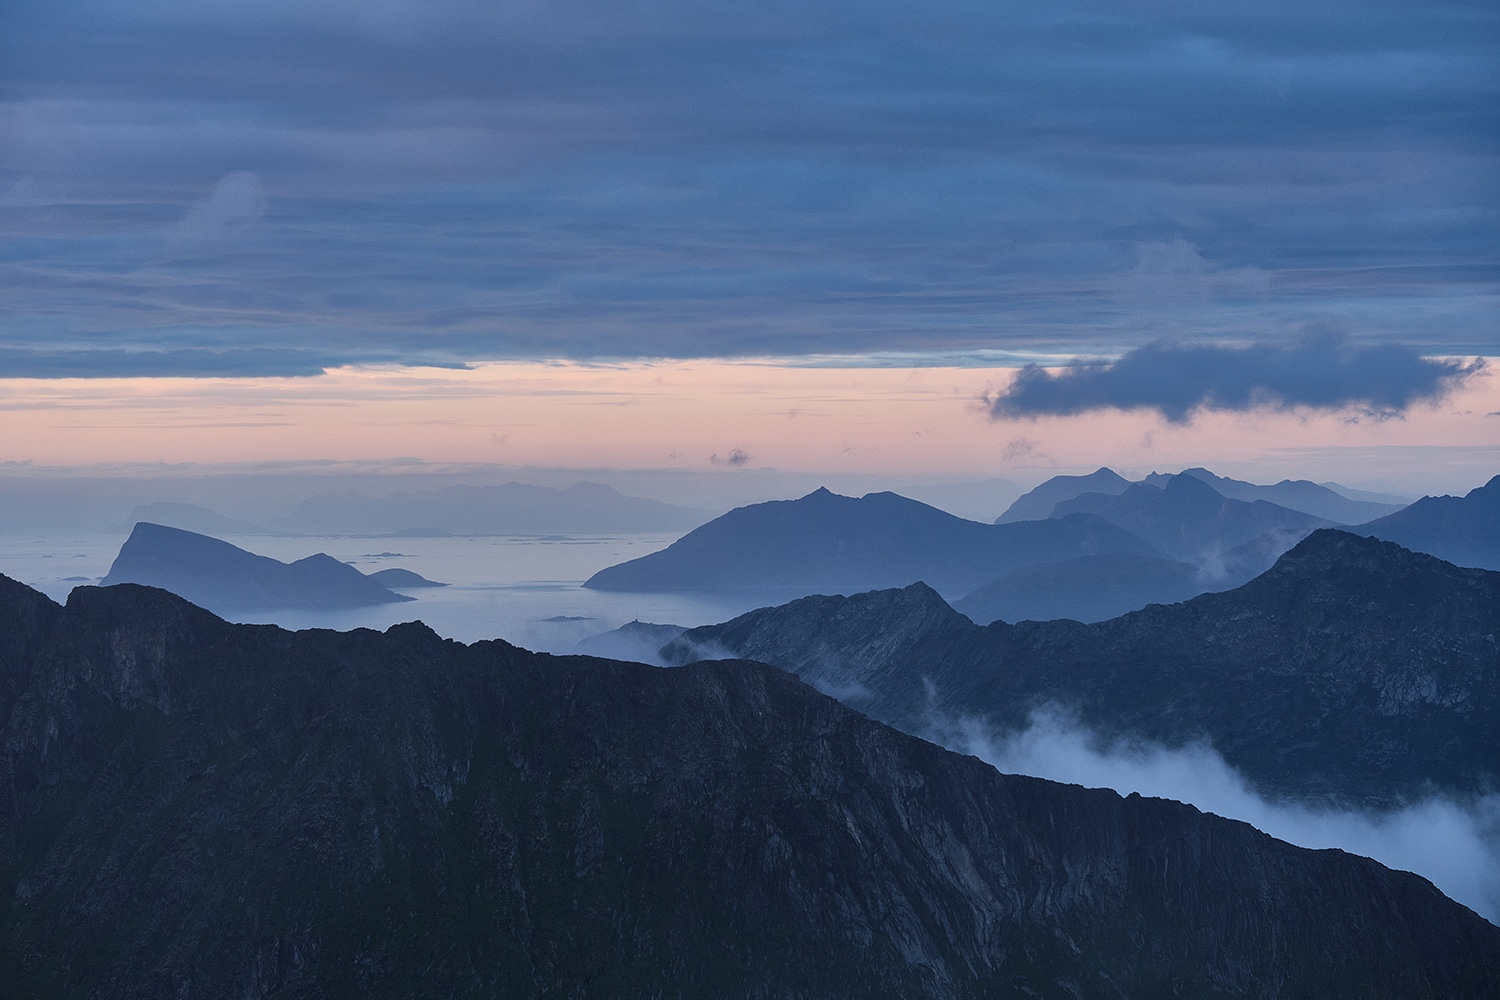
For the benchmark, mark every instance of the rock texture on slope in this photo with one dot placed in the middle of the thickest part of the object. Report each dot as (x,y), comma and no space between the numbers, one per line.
(1353,670)
(200,809)
(227,579)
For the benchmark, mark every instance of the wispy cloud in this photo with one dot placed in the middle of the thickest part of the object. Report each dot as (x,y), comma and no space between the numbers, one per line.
(1454,844)
(1177,380)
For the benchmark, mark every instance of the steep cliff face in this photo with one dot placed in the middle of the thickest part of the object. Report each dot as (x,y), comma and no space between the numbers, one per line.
(1353,670)
(200,809)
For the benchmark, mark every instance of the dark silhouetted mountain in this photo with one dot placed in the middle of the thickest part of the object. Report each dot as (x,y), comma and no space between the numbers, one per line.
(1086,589)
(1037,504)
(511,509)
(199,809)
(1463,530)
(212,573)
(1295,494)
(826,543)
(402,579)
(1189,520)
(634,641)
(1354,670)
(189,517)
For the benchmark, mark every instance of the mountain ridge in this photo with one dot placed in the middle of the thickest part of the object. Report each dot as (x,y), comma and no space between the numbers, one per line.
(1352,671)
(211,809)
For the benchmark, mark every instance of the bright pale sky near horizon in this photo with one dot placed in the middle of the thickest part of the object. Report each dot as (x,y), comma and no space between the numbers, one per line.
(810,236)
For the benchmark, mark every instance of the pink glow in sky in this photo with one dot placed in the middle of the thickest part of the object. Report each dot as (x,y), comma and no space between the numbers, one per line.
(925,421)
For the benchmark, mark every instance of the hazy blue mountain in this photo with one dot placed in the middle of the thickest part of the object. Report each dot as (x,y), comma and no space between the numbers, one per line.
(635,641)
(1037,504)
(1189,520)
(510,509)
(1296,494)
(1463,530)
(190,517)
(1353,670)
(402,579)
(1086,589)
(826,543)
(219,576)
(206,810)
(1369,495)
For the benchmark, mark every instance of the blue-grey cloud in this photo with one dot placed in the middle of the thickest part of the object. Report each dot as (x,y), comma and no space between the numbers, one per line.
(1322,372)
(458,180)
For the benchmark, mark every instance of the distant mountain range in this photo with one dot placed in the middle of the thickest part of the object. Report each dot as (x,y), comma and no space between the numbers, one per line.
(1104,546)
(189,517)
(1323,502)
(214,574)
(1353,671)
(194,808)
(1463,530)
(826,543)
(510,509)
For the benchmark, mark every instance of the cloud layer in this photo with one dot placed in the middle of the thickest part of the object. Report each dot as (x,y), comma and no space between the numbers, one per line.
(456,181)
(1454,845)
(1177,380)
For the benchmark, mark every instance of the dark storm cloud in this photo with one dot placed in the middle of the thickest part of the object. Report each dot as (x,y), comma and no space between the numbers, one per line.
(459,181)
(1177,380)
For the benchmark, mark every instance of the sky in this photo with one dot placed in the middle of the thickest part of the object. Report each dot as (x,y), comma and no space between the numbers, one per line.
(952,239)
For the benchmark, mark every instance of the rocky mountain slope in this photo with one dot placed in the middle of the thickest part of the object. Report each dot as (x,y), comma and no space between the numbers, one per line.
(227,579)
(826,543)
(1354,670)
(201,809)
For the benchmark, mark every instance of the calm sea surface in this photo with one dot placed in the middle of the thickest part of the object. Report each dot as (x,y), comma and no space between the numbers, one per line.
(525,590)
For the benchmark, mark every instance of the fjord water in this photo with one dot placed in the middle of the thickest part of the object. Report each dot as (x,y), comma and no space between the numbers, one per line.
(526,590)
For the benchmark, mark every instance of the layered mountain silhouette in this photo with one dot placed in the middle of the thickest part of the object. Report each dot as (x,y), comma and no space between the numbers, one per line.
(826,543)
(1321,501)
(509,509)
(217,575)
(1463,530)
(1090,588)
(1037,504)
(1353,671)
(1188,519)
(201,809)
(1328,501)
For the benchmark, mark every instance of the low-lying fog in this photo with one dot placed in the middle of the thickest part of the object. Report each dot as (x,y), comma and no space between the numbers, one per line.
(1454,845)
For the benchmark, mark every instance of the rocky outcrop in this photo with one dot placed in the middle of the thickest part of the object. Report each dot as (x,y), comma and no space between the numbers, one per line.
(227,579)
(1354,670)
(201,809)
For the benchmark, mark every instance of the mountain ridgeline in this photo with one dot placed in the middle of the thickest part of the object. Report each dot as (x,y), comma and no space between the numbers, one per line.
(202,809)
(826,543)
(1354,671)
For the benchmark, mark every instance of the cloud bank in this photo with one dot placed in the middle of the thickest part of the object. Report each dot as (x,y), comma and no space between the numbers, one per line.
(459,181)
(1454,845)
(1177,380)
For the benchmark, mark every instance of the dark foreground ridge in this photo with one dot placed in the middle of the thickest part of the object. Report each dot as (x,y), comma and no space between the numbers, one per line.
(201,809)
(1353,671)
